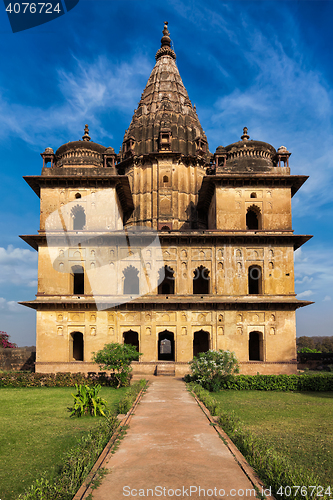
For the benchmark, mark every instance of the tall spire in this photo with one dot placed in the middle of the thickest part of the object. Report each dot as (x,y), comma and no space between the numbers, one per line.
(165,108)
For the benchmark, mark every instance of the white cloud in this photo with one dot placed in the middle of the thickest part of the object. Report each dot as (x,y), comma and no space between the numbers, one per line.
(306,293)
(10,306)
(88,90)
(314,266)
(327,298)
(18,266)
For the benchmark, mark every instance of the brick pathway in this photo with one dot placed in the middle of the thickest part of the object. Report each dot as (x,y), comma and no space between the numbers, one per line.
(170,451)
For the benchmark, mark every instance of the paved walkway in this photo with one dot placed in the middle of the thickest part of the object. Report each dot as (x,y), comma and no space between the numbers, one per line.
(170,451)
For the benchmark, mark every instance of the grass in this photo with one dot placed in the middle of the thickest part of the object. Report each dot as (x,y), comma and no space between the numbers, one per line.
(37,430)
(297,425)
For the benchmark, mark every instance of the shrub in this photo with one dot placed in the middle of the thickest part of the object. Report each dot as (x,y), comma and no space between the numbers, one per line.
(210,368)
(117,358)
(87,401)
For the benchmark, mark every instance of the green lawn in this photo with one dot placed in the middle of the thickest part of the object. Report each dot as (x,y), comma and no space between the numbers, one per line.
(37,430)
(299,425)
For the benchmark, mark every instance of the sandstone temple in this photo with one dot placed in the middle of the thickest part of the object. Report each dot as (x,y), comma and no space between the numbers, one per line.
(166,246)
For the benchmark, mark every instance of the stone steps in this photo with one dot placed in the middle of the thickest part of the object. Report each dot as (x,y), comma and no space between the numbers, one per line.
(167,370)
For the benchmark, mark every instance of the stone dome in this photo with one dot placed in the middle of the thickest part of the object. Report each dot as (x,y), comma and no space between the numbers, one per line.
(249,156)
(80,153)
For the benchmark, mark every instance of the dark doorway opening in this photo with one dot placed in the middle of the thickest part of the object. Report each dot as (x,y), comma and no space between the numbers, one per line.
(131,281)
(255,280)
(167,286)
(200,342)
(253,219)
(79,218)
(131,337)
(77,339)
(256,346)
(166,346)
(201,280)
(78,280)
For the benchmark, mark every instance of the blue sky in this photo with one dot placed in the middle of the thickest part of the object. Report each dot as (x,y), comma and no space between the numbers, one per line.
(265,65)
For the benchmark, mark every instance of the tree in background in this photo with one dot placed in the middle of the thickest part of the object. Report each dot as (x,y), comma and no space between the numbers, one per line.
(117,358)
(315,344)
(4,341)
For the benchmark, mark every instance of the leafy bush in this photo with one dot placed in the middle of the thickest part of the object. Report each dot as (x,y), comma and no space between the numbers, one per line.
(87,401)
(117,358)
(211,367)
(4,341)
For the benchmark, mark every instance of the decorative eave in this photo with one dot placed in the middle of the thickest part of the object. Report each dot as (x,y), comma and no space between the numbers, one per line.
(36,182)
(239,180)
(173,302)
(182,238)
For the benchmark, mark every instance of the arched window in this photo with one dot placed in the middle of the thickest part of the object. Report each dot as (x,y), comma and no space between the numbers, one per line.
(131,281)
(77,346)
(255,280)
(79,218)
(253,195)
(166,346)
(167,286)
(165,178)
(201,280)
(165,228)
(78,280)
(256,346)
(132,338)
(253,218)
(200,342)
(77,196)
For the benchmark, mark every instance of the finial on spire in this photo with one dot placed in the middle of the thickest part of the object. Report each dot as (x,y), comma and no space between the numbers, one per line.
(245,136)
(86,137)
(165,49)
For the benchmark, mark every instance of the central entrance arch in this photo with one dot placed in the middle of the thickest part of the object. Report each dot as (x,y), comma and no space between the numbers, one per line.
(166,346)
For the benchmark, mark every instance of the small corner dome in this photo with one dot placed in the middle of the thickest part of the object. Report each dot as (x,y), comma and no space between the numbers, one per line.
(248,155)
(80,153)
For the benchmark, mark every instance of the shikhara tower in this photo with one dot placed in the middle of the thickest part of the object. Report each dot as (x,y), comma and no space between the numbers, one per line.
(225,235)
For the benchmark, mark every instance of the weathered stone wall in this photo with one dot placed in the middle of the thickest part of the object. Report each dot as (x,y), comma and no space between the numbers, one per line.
(22,358)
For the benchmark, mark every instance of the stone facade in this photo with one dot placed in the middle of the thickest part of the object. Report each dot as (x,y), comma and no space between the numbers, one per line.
(225,234)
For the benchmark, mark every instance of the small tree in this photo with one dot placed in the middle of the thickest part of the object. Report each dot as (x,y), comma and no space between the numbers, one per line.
(4,341)
(210,367)
(117,358)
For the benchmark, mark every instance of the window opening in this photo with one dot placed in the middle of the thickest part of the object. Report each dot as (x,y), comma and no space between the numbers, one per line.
(201,280)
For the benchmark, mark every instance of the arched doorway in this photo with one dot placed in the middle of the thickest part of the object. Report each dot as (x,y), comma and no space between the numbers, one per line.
(253,217)
(131,337)
(77,346)
(166,346)
(201,280)
(200,342)
(256,346)
(131,281)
